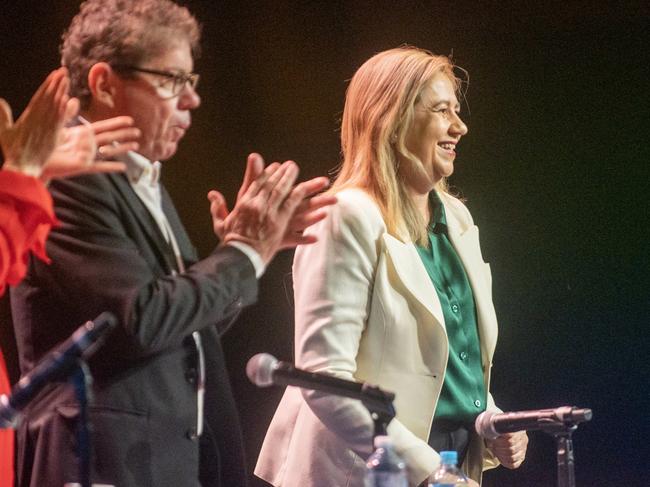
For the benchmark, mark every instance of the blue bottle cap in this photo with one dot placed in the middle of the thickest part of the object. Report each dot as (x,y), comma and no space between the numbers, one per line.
(449,457)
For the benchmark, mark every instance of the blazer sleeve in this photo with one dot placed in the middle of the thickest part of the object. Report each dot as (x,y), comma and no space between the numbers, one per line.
(333,284)
(97,260)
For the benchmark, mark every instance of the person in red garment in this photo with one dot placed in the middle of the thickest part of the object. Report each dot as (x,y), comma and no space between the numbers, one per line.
(37,148)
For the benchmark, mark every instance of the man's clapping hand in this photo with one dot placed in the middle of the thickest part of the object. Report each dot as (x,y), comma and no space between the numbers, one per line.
(271,212)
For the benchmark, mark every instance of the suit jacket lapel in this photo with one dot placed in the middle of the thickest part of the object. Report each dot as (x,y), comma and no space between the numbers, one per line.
(188,252)
(147,223)
(411,272)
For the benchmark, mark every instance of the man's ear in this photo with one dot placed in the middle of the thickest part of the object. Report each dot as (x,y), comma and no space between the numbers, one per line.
(102,84)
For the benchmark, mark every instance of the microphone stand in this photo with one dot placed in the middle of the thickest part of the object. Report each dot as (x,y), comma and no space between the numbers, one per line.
(262,368)
(565,462)
(82,381)
(562,431)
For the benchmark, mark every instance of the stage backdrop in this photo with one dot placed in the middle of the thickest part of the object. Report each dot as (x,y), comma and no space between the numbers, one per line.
(554,170)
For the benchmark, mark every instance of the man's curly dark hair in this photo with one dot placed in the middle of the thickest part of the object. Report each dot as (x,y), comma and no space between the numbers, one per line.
(123,32)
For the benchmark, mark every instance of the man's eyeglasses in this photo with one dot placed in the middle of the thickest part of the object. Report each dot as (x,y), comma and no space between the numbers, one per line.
(173,83)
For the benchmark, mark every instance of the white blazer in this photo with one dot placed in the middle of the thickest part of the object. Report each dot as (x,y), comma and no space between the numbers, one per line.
(366,310)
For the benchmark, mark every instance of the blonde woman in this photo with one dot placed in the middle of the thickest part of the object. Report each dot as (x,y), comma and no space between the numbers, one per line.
(394,293)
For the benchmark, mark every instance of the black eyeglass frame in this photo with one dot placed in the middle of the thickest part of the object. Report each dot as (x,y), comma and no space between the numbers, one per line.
(180,79)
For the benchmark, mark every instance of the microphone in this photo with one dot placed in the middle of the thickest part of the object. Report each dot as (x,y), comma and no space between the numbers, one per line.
(265,370)
(490,425)
(56,365)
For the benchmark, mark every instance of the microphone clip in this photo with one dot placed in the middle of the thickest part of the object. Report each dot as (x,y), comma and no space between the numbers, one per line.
(379,404)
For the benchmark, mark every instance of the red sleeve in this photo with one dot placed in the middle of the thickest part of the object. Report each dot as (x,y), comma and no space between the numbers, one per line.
(6,436)
(26,216)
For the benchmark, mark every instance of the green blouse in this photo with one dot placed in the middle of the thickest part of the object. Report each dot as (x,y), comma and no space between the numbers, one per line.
(463,394)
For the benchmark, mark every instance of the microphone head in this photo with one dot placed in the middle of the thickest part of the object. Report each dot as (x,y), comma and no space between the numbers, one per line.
(260,368)
(582,415)
(97,330)
(484,426)
(92,334)
(573,415)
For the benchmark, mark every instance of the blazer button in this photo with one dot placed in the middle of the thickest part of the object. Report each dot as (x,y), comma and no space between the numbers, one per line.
(191,434)
(190,376)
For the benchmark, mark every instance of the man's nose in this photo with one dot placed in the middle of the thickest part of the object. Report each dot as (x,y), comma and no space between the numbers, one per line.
(188,98)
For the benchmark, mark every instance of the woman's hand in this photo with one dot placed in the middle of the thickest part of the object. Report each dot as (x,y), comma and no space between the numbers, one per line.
(28,143)
(510,448)
(39,145)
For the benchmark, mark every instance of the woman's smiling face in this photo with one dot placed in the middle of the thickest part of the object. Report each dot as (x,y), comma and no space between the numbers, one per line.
(434,133)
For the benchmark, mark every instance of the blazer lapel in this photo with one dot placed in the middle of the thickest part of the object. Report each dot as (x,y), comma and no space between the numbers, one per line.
(188,251)
(411,272)
(147,223)
(466,243)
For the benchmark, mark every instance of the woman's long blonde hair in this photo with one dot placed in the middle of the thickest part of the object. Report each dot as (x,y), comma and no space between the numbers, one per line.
(379,110)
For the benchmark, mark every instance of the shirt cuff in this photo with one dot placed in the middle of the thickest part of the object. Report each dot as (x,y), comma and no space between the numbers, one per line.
(252,254)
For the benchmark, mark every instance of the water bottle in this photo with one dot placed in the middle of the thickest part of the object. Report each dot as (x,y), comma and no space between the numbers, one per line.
(448,473)
(384,467)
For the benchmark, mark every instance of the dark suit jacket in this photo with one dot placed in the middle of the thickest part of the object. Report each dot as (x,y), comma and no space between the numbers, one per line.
(108,254)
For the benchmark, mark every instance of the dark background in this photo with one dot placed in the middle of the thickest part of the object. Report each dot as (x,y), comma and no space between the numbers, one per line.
(554,170)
